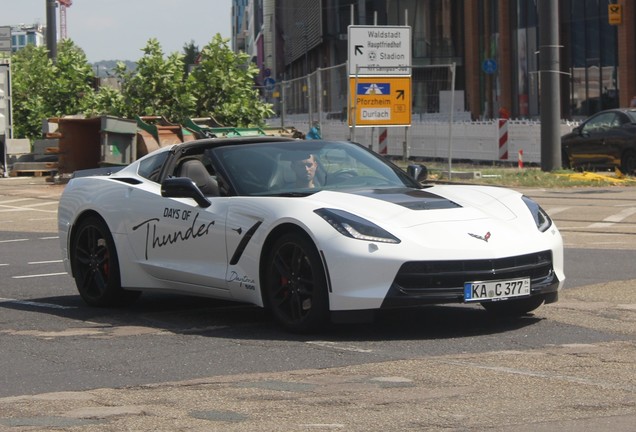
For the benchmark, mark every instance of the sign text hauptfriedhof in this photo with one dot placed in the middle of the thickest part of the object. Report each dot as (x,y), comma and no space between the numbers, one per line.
(379,50)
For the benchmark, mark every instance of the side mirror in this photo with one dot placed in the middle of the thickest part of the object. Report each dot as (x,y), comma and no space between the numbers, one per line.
(417,172)
(183,187)
(579,131)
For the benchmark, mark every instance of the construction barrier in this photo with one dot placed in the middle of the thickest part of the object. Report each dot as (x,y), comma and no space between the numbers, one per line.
(503,139)
(382,141)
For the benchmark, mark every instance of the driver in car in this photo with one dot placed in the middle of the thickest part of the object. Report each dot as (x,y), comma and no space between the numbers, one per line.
(305,170)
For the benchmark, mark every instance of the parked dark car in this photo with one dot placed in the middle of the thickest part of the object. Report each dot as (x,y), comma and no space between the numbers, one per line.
(605,140)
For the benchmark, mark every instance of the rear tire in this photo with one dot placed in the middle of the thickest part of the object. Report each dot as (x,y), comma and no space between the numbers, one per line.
(514,307)
(628,162)
(295,284)
(96,266)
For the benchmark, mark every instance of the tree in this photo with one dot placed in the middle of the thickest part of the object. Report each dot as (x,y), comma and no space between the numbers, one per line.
(43,89)
(157,87)
(32,78)
(73,88)
(223,84)
(107,101)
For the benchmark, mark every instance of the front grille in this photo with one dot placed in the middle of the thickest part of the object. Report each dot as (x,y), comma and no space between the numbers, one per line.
(433,282)
(414,277)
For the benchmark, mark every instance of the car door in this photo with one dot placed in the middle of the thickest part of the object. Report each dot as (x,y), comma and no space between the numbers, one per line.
(592,145)
(176,240)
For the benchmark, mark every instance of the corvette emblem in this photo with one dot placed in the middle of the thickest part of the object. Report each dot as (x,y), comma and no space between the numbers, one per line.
(484,238)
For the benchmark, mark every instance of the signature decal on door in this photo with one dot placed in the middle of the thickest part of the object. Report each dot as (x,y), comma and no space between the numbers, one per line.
(156,240)
(243,281)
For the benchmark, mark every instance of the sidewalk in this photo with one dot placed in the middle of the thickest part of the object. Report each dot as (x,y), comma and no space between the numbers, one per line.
(561,388)
(30,186)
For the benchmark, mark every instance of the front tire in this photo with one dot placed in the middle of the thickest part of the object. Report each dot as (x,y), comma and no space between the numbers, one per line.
(295,284)
(96,265)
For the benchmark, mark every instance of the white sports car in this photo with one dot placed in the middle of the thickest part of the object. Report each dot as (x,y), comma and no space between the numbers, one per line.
(313,230)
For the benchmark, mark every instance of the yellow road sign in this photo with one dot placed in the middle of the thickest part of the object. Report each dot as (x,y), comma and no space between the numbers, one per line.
(615,14)
(380,101)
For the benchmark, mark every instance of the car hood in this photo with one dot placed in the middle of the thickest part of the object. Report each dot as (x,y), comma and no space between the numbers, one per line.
(406,207)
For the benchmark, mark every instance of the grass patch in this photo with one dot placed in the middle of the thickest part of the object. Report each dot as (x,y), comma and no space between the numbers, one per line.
(524,177)
(534,177)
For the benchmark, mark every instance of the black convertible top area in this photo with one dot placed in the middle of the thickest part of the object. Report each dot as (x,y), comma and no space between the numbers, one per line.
(271,165)
(207,143)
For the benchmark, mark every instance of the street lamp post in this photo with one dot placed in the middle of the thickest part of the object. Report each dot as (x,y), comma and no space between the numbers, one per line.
(550,90)
(51,29)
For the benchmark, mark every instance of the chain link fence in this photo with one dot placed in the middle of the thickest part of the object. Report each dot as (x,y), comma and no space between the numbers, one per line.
(321,99)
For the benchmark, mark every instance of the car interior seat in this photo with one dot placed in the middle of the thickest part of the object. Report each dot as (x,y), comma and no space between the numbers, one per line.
(283,175)
(196,171)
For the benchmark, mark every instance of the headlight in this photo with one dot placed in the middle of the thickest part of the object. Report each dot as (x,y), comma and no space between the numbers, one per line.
(355,227)
(541,218)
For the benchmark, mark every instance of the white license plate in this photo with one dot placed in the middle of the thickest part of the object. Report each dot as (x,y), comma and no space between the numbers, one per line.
(489,290)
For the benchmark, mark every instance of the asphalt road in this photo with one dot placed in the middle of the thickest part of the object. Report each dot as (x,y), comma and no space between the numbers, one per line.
(179,363)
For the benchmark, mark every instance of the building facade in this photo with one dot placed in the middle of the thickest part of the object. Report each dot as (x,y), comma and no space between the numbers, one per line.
(23,35)
(493,43)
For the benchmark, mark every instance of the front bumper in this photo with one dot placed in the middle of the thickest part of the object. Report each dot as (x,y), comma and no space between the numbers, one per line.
(420,283)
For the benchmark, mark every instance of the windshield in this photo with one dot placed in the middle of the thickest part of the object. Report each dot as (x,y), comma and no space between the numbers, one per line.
(305,167)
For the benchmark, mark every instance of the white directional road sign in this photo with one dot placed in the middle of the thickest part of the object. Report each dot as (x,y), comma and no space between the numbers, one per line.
(379,50)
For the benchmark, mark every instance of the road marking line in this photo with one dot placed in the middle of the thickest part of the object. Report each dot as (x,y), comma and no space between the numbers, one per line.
(13,208)
(45,262)
(41,204)
(14,240)
(3,265)
(38,275)
(14,200)
(338,346)
(38,304)
(16,209)
(613,219)
(26,239)
(555,210)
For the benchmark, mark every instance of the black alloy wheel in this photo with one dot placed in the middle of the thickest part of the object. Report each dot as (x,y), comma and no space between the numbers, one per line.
(96,266)
(295,284)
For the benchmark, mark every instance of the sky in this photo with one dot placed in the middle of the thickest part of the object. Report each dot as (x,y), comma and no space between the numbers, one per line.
(119,29)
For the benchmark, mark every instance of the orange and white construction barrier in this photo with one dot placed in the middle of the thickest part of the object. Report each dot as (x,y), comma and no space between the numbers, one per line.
(503,139)
(382,141)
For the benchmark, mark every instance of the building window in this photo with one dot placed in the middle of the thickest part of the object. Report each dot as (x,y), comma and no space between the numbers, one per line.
(524,46)
(593,42)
